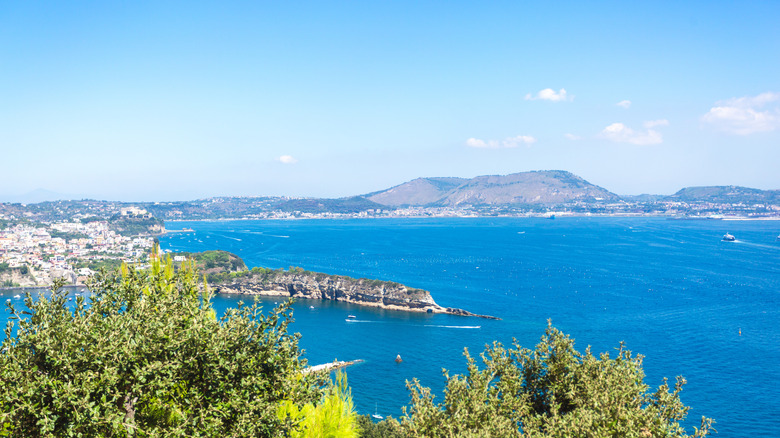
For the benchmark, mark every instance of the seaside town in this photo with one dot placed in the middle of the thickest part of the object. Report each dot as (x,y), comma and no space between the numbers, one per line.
(35,254)
(72,239)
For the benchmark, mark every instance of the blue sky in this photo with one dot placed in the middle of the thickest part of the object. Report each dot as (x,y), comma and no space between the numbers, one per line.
(183,100)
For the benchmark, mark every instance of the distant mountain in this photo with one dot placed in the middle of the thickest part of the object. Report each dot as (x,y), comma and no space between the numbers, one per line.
(539,187)
(644,197)
(420,191)
(726,195)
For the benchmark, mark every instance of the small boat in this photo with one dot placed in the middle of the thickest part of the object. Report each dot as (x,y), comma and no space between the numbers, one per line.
(728,238)
(17,296)
(375,415)
(351,316)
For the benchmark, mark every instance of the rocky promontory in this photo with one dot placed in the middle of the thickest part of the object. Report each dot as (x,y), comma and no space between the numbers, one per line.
(298,283)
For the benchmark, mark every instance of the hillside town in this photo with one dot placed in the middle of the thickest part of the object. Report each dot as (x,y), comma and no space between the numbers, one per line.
(35,254)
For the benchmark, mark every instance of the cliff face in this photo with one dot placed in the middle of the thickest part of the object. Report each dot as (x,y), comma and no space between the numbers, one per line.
(297,283)
(311,285)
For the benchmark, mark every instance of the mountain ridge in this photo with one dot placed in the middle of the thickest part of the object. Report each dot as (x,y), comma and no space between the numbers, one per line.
(534,187)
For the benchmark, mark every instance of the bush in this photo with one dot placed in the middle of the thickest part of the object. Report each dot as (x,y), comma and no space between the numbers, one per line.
(148,357)
(383,429)
(333,417)
(552,391)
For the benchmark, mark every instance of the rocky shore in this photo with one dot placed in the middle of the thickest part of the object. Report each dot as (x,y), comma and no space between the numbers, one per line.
(297,283)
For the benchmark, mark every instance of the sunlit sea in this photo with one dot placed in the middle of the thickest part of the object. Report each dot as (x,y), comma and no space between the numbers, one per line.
(672,290)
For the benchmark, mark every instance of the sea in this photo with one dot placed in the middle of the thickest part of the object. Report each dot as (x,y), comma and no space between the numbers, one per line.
(672,290)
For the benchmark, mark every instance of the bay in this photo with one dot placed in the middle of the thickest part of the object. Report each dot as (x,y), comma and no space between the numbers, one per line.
(672,290)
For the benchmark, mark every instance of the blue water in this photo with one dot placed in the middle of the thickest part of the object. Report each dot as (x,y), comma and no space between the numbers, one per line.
(672,290)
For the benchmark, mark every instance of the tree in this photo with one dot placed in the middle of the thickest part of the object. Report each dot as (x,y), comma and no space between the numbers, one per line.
(148,357)
(551,391)
(333,417)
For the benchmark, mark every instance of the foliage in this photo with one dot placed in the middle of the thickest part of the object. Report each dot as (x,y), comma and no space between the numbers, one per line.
(148,357)
(551,391)
(219,266)
(333,417)
(133,226)
(66,235)
(218,259)
(384,429)
(98,264)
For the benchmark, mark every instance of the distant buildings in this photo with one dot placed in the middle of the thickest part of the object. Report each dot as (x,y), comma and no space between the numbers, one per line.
(134,212)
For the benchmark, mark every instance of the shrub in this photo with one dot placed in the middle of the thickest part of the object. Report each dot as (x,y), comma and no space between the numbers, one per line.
(148,357)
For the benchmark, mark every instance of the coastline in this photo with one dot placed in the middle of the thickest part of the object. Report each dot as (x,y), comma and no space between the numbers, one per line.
(23,288)
(434,308)
(558,215)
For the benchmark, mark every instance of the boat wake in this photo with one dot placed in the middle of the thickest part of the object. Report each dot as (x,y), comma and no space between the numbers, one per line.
(757,245)
(351,320)
(228,237)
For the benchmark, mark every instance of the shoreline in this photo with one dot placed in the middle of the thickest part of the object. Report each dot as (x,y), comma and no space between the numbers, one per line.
(558,215)
(428,309)
(23,288)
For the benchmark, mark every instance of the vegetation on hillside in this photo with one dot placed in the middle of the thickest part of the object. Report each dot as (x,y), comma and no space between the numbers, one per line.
(551,391)
(147,356)
(134,226)
(266,276)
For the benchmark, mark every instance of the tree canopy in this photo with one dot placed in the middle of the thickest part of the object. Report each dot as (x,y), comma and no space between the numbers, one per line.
(551,391)
(147,356)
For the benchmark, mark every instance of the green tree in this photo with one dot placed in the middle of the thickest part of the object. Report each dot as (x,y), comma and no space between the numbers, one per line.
(333,417)
(148,357)
(383,429)
(551,391)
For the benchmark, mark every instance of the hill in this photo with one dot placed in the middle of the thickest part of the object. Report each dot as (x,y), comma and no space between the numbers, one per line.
(726,195)
(538,187)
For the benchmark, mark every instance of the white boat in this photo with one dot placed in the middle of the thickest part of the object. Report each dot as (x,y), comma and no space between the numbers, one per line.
(17,296)
(351,317)
(375,415)
(729,238)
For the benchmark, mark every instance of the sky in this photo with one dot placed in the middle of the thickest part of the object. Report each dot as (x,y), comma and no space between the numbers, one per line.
(166,100)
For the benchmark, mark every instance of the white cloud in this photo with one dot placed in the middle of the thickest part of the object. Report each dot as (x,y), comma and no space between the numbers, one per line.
(621,133)
(477,143)
(746,115)
(653,123)
(287,159)
(509,142)
(624,104)
(572,137)
(551,95)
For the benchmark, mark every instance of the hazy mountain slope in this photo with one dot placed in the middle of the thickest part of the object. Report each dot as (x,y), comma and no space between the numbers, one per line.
(540,187)
(420,191)
(727,195)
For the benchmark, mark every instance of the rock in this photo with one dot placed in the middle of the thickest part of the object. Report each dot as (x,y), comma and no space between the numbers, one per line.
(297,283)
